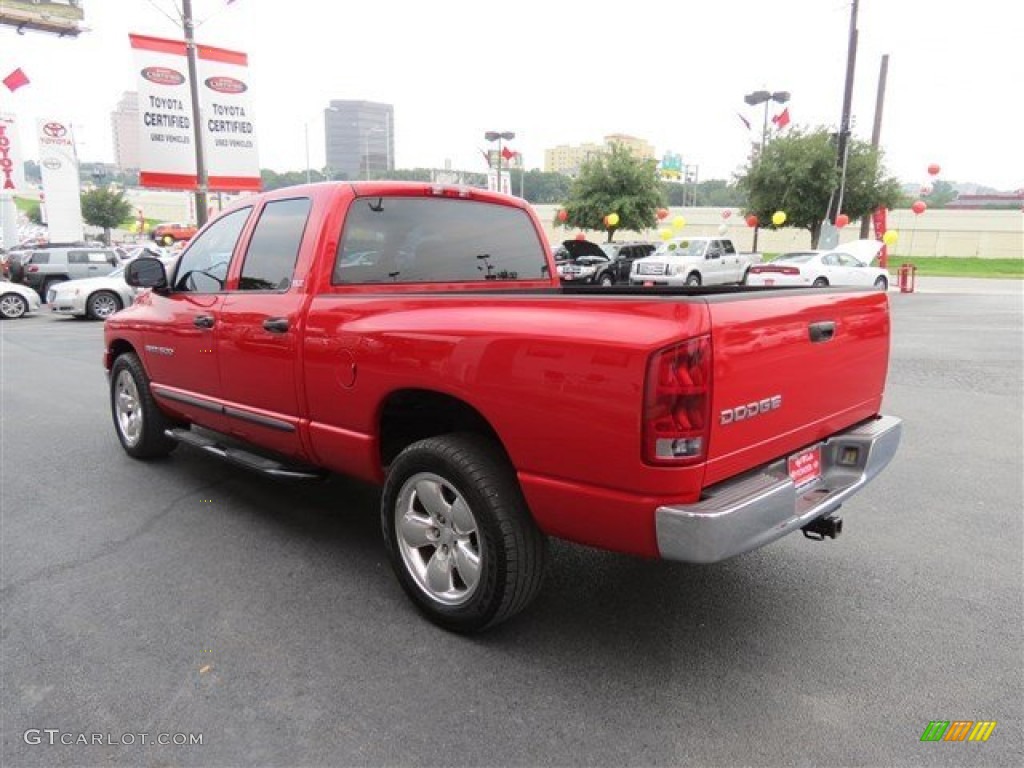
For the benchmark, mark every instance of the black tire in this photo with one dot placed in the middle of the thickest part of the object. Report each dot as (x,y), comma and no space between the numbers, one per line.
(139,424)
(606,280)
(820,282)
(693,280)
(102,305)
(13,306)
(510,550)
(881,283)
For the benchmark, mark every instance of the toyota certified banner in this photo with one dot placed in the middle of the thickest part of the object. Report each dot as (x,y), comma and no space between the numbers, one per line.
(12,168)
(58,164)
(165,117)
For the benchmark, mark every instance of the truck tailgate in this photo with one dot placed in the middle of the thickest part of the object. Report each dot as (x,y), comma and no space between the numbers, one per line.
(791,368)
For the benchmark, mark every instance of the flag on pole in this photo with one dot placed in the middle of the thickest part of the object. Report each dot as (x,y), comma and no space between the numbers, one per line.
(744,120)
(508,154)
(781,120)
(16,79)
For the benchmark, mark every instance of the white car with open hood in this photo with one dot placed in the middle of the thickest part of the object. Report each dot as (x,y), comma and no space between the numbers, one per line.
(847,264)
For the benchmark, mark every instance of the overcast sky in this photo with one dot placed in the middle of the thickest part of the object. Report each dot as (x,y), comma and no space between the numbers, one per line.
(562,71)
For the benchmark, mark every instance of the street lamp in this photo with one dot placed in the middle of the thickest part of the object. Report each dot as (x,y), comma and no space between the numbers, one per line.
(764,97)
(498,136)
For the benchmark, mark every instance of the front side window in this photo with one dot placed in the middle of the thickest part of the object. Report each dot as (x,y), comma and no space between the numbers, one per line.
(427,240)
(274,246)
(204,266)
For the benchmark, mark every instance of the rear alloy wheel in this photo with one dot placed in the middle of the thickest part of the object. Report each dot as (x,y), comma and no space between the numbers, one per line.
(606,280)
(693,279)
(12,306)
(882,284)
(461,539)
(138,421)
(102,305)
(820,282)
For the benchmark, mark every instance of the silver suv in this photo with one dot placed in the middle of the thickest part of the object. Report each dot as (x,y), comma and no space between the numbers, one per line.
(47,267)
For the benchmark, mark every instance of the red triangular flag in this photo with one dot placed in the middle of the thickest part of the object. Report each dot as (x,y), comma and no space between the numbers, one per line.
(781,120)
(16,79)
(507,153)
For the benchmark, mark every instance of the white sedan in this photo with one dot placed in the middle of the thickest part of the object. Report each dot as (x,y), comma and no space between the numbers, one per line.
(16,300)
(847,264)
(96,298)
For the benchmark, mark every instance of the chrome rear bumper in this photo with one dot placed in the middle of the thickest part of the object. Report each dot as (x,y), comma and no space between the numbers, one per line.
(739,515)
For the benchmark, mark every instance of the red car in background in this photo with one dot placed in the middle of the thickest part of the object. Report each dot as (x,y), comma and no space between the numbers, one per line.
(173,232)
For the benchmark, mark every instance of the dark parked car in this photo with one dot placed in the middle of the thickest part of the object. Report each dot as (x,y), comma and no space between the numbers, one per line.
(604,264)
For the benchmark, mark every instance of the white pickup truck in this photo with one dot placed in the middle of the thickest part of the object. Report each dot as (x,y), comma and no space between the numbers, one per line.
(693,261)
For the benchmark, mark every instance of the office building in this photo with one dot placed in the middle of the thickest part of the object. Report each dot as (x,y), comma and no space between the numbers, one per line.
(359,138)
(125,123)
(568,159)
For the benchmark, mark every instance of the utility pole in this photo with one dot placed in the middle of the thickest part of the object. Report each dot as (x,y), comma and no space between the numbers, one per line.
(193,83)
(836,203)
(876,130)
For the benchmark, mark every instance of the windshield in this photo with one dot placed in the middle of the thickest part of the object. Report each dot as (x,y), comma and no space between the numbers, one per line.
(681,248)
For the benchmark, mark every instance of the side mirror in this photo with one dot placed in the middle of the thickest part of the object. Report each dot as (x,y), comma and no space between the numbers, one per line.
(146,272)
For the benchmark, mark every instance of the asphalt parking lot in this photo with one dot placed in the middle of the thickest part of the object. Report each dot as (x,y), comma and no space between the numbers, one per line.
(189,597)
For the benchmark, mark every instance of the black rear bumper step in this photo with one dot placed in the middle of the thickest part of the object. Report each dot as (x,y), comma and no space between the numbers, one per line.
(243,458)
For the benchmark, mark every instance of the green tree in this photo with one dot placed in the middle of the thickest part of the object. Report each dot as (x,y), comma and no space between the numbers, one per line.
(106,208)
(942,194)
(615,182)
(797,174)
(34,212)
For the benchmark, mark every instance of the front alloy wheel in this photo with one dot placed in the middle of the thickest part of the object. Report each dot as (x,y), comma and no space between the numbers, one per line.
(139,422)
(102,305)
(12,306)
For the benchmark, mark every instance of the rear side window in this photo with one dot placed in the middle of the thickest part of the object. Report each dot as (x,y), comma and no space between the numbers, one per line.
(39,257)
(728,248)
(274,246)
(429,240)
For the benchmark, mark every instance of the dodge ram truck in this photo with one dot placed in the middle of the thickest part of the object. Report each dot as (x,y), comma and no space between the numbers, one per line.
(417,336)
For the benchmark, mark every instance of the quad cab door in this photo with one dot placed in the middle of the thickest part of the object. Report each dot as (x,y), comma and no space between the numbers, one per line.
(260,327)
(181,325)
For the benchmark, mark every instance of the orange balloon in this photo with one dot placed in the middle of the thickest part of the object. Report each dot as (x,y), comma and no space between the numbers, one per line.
(751,220)
(919,207)
(842,220)
(563,215)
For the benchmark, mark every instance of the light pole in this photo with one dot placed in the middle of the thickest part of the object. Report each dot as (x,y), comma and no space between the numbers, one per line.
(498,136)
(764,97)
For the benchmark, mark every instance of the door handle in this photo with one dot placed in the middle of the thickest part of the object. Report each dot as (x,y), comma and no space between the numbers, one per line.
(276,324)
(822,331)
(203,321)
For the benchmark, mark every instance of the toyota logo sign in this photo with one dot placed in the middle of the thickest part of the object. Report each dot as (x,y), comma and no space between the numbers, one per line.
(55,130)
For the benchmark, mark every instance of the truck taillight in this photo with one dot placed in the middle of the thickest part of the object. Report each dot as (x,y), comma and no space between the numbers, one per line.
(677,399)
(32,268)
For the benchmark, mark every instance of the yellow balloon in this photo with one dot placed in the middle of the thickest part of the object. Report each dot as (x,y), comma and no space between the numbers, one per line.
(666,234)
(779,218)
(678,222)
(613,219)
(890,237)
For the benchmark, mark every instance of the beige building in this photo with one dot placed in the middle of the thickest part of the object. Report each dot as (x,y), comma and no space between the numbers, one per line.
(568,159)
(125,122)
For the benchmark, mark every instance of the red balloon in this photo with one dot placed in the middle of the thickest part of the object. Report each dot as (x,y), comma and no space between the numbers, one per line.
(751,220)
(934,169)
(726,213)
(563,215)
(842,220)
(581,236)
(919,207)
(662,214)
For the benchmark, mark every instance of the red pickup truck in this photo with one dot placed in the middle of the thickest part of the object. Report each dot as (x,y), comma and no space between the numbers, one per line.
(417,336)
